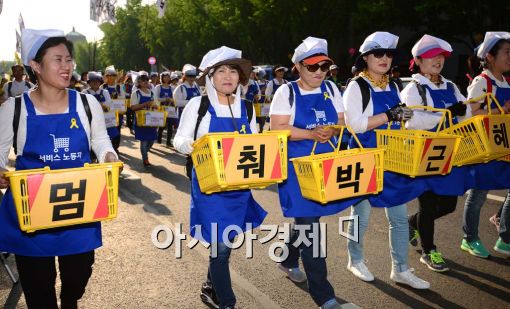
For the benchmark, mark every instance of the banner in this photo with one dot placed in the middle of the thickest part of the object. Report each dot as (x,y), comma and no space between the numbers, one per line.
(18,42)
(21,23)
(103,11)
(161,5)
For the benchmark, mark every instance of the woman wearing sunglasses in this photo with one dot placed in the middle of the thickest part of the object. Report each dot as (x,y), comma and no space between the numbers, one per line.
(430,88)
(304,107)
(364,114)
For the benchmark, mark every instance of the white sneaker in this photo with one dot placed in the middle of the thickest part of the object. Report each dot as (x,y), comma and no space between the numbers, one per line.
(295,274)
(361,271)
(407,277)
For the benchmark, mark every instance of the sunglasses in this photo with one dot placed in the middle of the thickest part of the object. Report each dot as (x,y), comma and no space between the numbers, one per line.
(381,53)
(314,67)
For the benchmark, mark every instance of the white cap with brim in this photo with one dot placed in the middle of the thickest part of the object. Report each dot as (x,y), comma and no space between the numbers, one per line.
(429,46)
(32,40)
(224,55)
(189,70)
(491,38)
(91,76)
(379,40)
(333,67)
(309,47)
(110,70)
(154,74)
(173,76)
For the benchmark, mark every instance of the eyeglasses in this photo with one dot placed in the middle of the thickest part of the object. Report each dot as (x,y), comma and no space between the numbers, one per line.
(314,67)
(380,54)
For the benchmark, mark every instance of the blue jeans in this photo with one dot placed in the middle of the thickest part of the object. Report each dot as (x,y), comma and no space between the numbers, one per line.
(145,146)
(315,267)
(399,233)
(504,224)
(474,202)
(219,275)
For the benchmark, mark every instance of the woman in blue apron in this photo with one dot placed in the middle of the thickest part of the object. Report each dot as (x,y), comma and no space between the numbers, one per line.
(116,91)
(223,70)
(429,88)
(495,175)
(49,55)
(382,107)
(164,94)
(187,89)
(298,110)
(143,98)
(94,79)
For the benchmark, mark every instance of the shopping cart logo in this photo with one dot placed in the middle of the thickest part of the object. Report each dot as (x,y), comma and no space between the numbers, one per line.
(60,143)
(319,115)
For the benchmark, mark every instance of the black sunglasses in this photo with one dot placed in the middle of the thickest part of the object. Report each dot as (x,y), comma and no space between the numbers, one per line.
(379,54)
(314,67)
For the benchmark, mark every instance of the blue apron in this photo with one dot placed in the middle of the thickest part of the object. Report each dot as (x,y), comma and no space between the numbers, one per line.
(252,91)
(308,108)
(224,208)
(165,93)
(190,93)
(114,131)
(494,175)
(114,94)
(145,133)
(459,179)
(59,241)
(262,87)
(398,189)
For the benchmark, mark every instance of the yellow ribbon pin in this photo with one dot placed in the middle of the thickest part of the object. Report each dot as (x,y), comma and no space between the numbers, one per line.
(243,129)
(73,124)
(326,96)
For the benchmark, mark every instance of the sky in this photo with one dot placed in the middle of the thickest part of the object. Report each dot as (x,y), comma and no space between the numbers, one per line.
(46,14)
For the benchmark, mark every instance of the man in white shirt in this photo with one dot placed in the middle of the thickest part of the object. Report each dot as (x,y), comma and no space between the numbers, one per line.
(17,86)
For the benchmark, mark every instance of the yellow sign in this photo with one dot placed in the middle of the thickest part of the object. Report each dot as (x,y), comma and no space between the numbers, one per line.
(498,131)
(436,157)
(47,199)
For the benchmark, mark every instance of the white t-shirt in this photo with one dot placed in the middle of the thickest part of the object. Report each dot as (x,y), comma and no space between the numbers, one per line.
(355,117)
(180,93)
(188,122)
(106,94)
(479,84)
(411,97)
(280,105)
(269,88)
(17,88)
(99,139)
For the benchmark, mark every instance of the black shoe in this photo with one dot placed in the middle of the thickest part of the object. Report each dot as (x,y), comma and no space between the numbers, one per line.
(146,163)
(434,261)
(208,296)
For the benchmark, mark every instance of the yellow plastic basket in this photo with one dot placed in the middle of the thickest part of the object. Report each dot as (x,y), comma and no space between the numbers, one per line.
(233,161)
(128,103)
(143,118)
(418,152)
(485,137)
(47,198)
(340,174)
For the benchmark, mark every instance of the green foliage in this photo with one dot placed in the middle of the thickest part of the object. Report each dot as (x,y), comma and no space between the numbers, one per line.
(267,31)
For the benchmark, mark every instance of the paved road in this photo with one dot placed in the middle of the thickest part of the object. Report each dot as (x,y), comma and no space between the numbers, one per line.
(130,272)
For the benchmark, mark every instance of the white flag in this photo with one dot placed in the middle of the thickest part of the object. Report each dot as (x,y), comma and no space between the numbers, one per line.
(21,22)
(18,42)
(161,5)
(103,10)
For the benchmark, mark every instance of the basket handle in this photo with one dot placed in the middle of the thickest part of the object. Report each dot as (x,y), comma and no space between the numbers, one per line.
(447,114)
(489,97)
(342,129)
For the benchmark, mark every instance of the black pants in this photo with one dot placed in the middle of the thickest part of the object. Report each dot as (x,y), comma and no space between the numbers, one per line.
(116,143)
(431,207)
(38,275)
(169,132)
(129,118)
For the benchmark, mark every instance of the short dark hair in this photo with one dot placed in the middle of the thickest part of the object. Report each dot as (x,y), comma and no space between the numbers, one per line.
(49,43)
(242,77)
(494,50)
